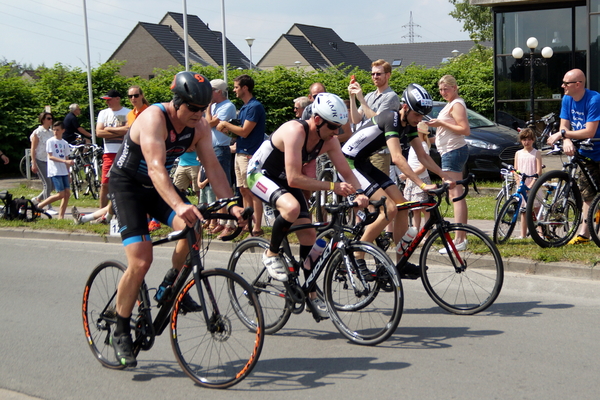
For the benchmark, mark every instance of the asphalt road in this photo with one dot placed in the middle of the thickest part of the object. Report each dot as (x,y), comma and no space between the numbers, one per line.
(539,341)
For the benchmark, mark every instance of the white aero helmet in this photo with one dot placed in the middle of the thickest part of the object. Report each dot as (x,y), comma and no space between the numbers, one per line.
(418,99)
(331,108)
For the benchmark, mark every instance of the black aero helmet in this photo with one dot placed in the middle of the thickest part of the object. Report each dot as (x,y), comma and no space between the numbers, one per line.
(192,88)
(418,99)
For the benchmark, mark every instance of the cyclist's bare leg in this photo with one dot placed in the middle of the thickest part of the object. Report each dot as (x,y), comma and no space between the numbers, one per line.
(139,259)
(461,213)
(393,196)
(289,209)
(306,237)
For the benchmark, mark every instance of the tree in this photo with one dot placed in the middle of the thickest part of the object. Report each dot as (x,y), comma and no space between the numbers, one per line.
(477,20)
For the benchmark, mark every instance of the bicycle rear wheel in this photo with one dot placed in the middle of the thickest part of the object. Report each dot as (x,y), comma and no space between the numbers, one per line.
(246,261)
(593,220)
(365,314)
(465,282)
(76,182)
(557,218)
(99,311)
(215,347)
(506,220)
(91,182)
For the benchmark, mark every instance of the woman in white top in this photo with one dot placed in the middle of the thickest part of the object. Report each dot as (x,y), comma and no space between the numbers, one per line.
(39,157)
(452,126)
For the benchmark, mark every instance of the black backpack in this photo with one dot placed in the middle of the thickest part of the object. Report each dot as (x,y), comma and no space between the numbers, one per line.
(20,208)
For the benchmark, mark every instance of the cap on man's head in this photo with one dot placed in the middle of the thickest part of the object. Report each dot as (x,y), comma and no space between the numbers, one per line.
(219,84)
(111,94)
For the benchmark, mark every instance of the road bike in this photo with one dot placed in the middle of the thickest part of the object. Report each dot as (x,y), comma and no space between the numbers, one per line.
(83,172)
(506,221)
(364,311)
(556,220)
(462,278)
(213,346)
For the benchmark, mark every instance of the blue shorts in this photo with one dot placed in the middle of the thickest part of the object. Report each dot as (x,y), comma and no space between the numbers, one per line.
(455,160)
(60,182)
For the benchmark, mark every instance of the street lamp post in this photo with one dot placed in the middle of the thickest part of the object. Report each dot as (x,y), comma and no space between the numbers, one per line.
(532,61)
(250,40)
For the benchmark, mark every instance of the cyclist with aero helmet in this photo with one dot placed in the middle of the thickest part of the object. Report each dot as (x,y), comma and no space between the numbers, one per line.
(140,185)
(275,176)
(385,130)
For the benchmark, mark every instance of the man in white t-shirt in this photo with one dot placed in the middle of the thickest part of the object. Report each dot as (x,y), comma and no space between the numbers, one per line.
(110,126)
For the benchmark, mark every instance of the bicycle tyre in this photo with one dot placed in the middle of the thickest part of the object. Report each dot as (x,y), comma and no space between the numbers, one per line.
(502,197)
(557,219)
(100,294)
(506,221)
(246,261)
(91,182)
(593,220)
(223,352)
(75,185)
(475,284)
(369,318)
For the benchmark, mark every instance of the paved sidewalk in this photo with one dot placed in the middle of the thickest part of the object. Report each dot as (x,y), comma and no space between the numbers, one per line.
(558,269)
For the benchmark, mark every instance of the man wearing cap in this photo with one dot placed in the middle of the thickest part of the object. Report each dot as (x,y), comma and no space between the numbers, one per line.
(110,126)
(221,109)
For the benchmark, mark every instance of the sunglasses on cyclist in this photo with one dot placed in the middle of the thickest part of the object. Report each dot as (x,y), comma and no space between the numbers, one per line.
(195,109)
(332,126)
(133,95)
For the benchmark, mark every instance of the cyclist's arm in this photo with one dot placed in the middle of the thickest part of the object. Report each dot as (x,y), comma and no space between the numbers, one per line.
(400,161)
(152,142)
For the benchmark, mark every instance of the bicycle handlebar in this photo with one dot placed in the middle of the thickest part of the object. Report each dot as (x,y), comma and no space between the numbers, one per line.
(464,182)
(523,176)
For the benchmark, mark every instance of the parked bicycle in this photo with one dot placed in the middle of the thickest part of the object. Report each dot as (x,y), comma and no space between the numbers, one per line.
(365,311)
(327,172)
(551,124)
(508,188)
(556,221)
(506,221)
(214,347)
(83,173)
(463,278)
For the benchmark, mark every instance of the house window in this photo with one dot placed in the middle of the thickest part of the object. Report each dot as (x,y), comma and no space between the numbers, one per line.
(553,28)
(396,63)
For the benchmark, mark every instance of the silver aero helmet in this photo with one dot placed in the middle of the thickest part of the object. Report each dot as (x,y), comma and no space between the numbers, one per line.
(331,108)
(418,99)
(192,88)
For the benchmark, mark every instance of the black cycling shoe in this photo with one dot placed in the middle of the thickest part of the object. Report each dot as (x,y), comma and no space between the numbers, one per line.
(123,346)
(189,305)
(364,271)
(410,271)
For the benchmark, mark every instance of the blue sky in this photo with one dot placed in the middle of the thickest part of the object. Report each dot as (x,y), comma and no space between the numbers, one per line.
(52,31)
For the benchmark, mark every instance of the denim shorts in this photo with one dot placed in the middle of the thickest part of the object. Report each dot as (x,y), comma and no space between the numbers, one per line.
(61,182)
(455,160)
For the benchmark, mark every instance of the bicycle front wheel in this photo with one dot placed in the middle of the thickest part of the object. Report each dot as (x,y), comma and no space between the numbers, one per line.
(215,347)
(465,281)
(91,182)
(99,311)
(554,209)
(593,220)
(506,220)
(368,313)
(246,260)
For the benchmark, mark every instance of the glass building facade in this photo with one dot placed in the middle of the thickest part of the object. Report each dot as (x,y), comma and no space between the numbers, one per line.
(571,29)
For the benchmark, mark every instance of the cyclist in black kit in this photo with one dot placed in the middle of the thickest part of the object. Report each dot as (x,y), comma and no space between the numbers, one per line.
(386,130)
(140,185)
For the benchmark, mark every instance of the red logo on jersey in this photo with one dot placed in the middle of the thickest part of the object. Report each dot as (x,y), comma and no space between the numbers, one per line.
(173,136)
(261,187)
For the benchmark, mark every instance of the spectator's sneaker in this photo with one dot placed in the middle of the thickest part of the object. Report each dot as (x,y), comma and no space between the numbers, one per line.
(189,305)
(275,267)
(410,271)
(76,215)
(153,225)
(579,239)
(364,271)
(460,247)
(123,346)
(320,307)
(51,211)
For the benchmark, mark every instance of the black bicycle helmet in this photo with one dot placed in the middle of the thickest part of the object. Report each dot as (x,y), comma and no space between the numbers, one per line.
(418,99)
(192,88)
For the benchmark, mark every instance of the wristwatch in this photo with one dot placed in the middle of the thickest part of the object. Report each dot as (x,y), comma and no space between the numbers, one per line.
(563,133)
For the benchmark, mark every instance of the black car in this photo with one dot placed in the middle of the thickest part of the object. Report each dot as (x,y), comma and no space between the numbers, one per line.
(489,144)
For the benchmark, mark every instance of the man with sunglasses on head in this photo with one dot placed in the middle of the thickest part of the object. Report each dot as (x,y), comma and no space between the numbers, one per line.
(111,126)
(580,119)
(386,130)
(251,134)
(140,185)
(275,176)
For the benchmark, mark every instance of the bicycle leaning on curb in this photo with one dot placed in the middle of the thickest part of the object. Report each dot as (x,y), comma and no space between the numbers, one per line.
(213,346)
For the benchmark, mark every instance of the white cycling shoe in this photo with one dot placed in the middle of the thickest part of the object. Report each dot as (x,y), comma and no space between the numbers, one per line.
(275,267)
